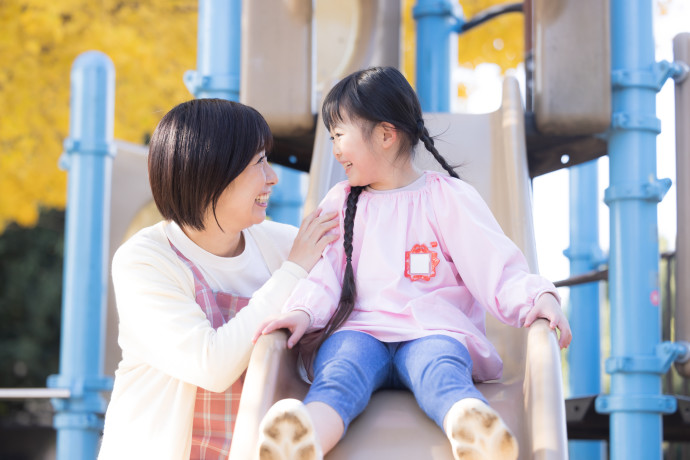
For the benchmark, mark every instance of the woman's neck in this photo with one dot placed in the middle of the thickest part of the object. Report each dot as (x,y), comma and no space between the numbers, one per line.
(217,242)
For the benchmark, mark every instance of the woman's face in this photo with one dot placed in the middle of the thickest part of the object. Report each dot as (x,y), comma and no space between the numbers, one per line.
(243,203)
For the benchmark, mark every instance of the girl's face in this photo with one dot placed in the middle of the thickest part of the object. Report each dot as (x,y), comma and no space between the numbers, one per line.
(243,203)
(357,154)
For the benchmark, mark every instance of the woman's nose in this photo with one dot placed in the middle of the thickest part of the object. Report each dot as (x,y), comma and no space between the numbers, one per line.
(271,176)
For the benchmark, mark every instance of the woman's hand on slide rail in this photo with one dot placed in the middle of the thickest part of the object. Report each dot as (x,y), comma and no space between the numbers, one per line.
(315,233)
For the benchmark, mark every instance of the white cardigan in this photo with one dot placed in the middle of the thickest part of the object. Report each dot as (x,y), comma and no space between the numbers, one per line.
(169,347)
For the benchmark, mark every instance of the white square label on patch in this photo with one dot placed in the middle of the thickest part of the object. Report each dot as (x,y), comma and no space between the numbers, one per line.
(420,264)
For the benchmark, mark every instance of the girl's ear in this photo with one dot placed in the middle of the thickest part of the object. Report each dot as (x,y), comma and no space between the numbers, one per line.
(387,134)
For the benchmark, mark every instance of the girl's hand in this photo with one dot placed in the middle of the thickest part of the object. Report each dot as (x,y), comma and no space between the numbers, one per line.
(297,321)
(547,307)
(313,237)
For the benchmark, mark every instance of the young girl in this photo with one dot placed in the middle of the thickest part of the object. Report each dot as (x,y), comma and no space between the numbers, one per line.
(401,302)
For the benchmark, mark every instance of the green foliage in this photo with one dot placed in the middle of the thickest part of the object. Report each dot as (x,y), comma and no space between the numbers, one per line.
(30,300)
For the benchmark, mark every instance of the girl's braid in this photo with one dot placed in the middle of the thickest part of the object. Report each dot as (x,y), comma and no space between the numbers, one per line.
(311,342)
(429,144)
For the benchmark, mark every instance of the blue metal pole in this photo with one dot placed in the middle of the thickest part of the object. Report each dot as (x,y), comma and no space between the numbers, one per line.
(287,199)
(638,359)
(584,354)
(89,152)
(437,22)
(218,51)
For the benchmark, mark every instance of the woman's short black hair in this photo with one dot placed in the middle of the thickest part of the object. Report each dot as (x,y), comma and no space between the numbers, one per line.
(197,149)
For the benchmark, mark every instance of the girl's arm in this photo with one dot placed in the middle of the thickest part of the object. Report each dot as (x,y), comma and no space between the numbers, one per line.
(490,265)
(318,295)
(548,307)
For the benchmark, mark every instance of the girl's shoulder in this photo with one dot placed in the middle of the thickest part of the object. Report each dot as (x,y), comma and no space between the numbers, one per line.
(444,184)
(335,198)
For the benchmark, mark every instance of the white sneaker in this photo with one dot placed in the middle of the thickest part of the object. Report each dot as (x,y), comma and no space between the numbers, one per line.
(287,433)
(477,432)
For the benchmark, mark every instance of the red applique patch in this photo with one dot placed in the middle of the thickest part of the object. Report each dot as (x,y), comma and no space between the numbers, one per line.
(420,262)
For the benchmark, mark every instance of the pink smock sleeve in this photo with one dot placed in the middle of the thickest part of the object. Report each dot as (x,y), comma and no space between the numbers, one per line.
(490,265)
(319,293)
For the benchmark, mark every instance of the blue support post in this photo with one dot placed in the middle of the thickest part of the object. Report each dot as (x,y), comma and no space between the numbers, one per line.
(286,200)
(218,51)
(89,152)
(584,355)
(638,359)
(437,24)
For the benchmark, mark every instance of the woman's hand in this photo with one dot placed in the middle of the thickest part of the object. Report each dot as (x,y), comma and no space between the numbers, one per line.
(297,321)
(313,237)
(547,307)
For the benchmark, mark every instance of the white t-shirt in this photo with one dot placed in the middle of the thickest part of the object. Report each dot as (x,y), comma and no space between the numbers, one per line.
(221,272)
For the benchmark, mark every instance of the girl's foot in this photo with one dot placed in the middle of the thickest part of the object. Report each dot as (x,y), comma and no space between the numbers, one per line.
(287,433)
(477,432)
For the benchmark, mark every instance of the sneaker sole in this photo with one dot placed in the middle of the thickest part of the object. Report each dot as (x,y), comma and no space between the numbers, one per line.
(287,435)
(481,435)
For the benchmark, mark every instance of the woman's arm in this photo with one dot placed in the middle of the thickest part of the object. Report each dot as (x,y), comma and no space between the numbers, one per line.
(162,325)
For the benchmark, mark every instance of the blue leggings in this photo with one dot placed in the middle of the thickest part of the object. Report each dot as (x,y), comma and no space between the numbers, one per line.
(351,365)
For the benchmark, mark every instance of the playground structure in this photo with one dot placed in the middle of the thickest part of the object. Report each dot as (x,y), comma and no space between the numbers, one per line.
(597,98)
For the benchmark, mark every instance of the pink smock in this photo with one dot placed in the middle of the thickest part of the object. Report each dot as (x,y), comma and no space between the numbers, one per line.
(429,258)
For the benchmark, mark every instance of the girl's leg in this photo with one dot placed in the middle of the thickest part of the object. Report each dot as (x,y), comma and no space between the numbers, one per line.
(348,368)
(438,370)
(327,423)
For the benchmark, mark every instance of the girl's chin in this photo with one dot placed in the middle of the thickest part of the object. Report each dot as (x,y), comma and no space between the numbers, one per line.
(354,182)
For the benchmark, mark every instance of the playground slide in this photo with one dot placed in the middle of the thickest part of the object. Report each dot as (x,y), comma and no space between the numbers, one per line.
(491,151)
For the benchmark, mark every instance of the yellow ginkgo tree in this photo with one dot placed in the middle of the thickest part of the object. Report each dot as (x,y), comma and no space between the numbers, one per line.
(151,44)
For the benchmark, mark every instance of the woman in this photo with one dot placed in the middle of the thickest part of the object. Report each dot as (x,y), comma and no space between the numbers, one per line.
(192,289)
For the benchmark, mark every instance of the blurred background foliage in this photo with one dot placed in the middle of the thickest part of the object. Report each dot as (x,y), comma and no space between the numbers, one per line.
(151,43)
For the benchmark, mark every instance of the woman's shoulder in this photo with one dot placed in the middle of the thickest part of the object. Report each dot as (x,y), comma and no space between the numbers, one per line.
(148,243)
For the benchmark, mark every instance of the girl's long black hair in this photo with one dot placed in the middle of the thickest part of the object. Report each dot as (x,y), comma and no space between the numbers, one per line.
(369,97)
